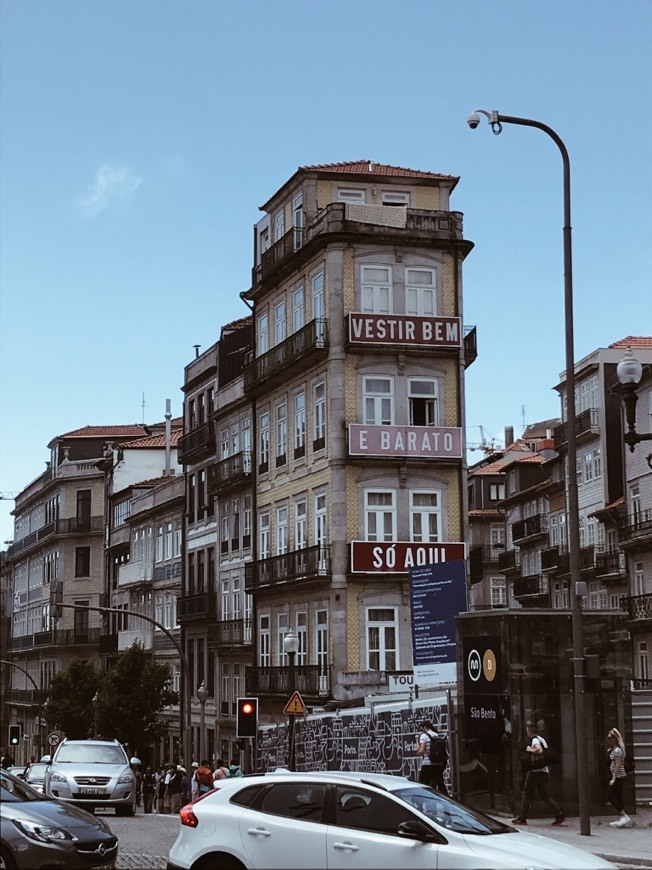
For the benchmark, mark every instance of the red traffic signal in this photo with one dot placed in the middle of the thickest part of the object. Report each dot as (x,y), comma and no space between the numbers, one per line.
(247,719)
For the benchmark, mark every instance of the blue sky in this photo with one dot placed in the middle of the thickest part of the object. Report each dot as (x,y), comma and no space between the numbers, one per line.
(139,137)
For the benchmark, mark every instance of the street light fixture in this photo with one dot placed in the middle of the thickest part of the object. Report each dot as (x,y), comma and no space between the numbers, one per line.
(578,588)
(630,371)
(291,648)
(202,697)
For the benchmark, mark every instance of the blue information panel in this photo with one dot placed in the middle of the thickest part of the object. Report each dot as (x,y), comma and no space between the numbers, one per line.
(438,594)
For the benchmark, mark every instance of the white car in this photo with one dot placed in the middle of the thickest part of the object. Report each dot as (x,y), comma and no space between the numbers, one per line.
(357,821)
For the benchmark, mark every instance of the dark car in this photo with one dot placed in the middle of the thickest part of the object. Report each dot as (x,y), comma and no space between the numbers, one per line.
(39,832)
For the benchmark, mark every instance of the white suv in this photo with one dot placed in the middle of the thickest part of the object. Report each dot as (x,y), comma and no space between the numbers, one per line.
(347,820)
(92,773)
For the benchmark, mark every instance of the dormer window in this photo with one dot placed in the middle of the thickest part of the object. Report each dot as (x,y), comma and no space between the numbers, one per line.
(351,194)
(395,198)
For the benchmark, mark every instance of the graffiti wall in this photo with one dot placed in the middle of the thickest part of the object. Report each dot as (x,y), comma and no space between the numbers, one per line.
(378,740)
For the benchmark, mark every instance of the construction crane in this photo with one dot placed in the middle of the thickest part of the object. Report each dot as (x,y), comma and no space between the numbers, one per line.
(487,447)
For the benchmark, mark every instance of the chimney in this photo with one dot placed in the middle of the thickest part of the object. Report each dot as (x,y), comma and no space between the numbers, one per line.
(168,437)
(509,436)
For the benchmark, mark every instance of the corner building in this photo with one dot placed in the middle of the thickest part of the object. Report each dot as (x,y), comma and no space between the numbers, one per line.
(356,382)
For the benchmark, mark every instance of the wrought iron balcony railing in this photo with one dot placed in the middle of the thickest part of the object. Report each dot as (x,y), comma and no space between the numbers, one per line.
(309,342)
(638,607)
(509,561)
(532,585)
(610,566)
(586,424)
(230,472)
(310,681)
(194,443)
(530,527)
(308,563)
(66,526)
(230,633)
(550,559)
(191,608)
(636,528)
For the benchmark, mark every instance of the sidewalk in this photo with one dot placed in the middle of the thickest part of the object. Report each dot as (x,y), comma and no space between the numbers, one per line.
(624,846)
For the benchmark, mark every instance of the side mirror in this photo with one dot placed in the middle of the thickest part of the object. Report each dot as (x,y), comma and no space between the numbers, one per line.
(416,830)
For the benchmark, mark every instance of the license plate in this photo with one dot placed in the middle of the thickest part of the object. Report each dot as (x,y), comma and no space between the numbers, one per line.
(91,791)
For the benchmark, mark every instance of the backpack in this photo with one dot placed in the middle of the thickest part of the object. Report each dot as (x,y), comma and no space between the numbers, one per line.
(629,764)
(234,770)
(204,779)
(548,756)
(437,753)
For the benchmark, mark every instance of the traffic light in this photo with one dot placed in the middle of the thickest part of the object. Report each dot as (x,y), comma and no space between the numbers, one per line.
(15,735)
(247,721)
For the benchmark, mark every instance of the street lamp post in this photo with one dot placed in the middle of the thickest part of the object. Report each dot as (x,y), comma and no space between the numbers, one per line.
(202,697)
(578,588)
(291,647)
(630,371)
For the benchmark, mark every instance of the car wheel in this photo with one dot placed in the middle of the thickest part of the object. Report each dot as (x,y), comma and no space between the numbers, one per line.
(218,861)
(129,810)
(6,861)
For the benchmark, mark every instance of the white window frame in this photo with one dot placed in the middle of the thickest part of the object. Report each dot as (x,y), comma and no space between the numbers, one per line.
(375,290)
(380,624)
(423,401)
(420,295)
(378,404)
(395,197)
(378,515)
(281,424)
(279,225)
(264,641)
(263,334)
(264,534)
(351,194)
(298,308)
(282,529)
(319,412)
(422,514)
(263,439)
(299,423)
(300,523)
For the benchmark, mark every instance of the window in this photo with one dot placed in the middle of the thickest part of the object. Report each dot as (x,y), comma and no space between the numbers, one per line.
(376,283)
(302,634)
(300,424)
(498,587)
(378,401)
(300,524)
(381,639)
(263,535)
(297,219)
(83,514)
(423,402)
(168,540)
(282,625)
(224,528)
(597,463)
(120,513)
(280,332)
(279,225)
(420,292)
(321,528)
(318,303)
(246,522)
(425,517)
(642,661)
(496,540)
(263,443)
(264,656)
(281,530)
(300,801)
(192,497)
(281,433)
(395,197)
(380,515)
(298,308)
(496,491)
(350,194)
(201,409)
(82,561)
(235,524)
(319,415)
(587,467)
(263,335)
(355,808)
(321,646)
(51,567)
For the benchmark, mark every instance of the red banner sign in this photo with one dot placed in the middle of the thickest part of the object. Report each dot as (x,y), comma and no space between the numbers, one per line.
(402,329)
(437,442)
(398,557)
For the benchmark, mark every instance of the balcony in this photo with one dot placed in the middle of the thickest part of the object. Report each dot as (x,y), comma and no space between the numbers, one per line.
(144,636)
(340,222)
(636,530)
(530,528)
(193,444)
(533,588)
(639,609)
(194,608)
(309,563)
(550,559)
(63,527)
(310,681)
(135,573)
(305,346)
(586,426)
(169,571)
(229,473)
(60,637)
(230,633)
(27,696)
(509,562)
(610,567)
(482,556)
(78,636)
(587,559)
(470,346)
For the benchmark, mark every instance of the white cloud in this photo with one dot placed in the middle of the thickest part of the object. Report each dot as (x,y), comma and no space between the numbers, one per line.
(111,185)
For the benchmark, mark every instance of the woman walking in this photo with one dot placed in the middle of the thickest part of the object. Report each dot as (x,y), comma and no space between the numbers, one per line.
(617,771)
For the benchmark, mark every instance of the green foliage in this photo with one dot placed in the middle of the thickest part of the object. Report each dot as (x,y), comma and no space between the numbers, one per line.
(132,694)
(70,699)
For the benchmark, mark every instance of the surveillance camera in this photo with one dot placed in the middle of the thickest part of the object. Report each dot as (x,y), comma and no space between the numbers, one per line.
(473,120)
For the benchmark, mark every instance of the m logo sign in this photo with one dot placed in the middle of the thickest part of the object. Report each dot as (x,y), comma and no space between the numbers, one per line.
(482,671)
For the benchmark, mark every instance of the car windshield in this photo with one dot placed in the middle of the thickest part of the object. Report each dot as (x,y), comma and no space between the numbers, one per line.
(449,814)
(13,790)
(92,754)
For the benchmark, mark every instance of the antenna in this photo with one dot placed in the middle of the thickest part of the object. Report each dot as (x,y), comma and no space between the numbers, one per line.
(143,405)
(523,417)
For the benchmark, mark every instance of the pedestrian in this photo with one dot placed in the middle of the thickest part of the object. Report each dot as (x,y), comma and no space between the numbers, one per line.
(536,779)
(149,788)
(175,788)
(617,780)
(167,794)
(204,777)
(221,770)
(234,768)
(195,784)
(135,766)
(186,788)
(433,764)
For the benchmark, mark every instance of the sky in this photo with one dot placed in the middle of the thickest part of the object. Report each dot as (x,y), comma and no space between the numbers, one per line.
(139,137)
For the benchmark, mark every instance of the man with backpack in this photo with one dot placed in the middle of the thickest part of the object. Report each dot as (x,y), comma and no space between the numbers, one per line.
(536,757)
(433,751)
(204,777)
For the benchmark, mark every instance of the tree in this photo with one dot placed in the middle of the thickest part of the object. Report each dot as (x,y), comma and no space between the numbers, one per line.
(131,695)
(70,699)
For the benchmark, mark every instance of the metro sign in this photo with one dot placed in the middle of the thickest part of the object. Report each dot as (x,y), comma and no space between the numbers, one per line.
(434,442)
(398,557)
(403,329)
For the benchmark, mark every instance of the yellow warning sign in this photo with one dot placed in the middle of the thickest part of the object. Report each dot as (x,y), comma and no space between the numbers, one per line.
(295,706)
